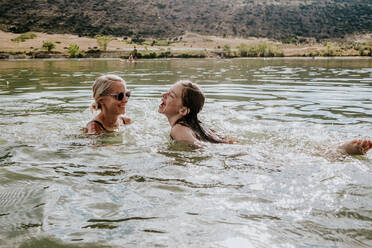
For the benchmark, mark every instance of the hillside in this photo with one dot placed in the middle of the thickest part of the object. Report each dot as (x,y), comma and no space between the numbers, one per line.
(163,18)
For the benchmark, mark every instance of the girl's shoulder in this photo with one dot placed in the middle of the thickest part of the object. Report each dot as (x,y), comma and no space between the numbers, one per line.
(179,129)
(180,132)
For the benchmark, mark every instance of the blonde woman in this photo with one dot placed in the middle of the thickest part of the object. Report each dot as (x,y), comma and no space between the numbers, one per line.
(110,98)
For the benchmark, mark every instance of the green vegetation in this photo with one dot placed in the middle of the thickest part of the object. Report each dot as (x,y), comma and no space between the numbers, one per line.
(266,49)
(138,39)
(103,41)
(167,54)
(74,51)
(259,50)
(343,49)
(151,55)
(329,50)
(226,51)
(293,39)
(49,45)
(24,37)
(161,42)
(288,20)
(190,55)
(365,49)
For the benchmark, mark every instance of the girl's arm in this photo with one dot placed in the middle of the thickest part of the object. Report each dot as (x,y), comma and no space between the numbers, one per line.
(356,147)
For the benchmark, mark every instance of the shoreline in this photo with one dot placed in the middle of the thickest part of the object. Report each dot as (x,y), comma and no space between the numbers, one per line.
(206,58)
(189,45)
(152,54)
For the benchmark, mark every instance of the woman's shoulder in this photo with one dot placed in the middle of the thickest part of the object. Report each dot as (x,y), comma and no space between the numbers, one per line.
(94,127)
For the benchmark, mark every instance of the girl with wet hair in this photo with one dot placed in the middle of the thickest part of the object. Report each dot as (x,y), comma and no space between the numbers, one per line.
(181,105)
(184,100)
(110,98)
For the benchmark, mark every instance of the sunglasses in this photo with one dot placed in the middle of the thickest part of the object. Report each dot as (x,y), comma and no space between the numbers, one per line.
(120,96)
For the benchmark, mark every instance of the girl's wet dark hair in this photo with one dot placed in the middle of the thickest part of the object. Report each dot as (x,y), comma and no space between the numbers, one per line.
(193,98)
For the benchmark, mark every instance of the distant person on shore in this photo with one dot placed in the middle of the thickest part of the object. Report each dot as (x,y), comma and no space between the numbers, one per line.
(135,54)
(184,100)
(130,59)
(110,98)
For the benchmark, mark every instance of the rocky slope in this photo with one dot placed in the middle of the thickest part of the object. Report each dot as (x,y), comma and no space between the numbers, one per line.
(170,18)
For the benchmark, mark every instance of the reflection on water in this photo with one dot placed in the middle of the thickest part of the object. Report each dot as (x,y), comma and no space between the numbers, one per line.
(282,185)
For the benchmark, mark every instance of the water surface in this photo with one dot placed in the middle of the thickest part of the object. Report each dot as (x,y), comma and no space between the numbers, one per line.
(282,185)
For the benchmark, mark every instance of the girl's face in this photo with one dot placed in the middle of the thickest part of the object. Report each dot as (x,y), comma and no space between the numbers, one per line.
(117,99)
(171,103)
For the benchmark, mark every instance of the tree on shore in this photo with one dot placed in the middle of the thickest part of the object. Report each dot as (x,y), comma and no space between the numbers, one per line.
(103,41)
(49,45)
(74,51)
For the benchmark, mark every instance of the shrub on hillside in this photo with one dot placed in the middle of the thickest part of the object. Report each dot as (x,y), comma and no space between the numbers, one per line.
(74,51)
(189,55)
(138,39)
(103,41)
(49,45)
(152,55)
(226,51)
(364,49)
(166,54)
(259,50)
(24,37)
(293,39)
(329,50)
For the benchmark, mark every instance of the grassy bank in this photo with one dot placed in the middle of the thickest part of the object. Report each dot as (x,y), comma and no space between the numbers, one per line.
(40,45)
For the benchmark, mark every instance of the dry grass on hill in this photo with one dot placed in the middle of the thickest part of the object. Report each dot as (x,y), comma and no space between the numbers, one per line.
(187,42)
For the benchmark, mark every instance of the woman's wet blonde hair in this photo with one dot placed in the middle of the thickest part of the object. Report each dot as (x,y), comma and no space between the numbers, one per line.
(101,87)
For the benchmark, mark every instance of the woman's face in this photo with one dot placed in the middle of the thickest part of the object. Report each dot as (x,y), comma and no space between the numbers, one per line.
(171,102)
(112,101)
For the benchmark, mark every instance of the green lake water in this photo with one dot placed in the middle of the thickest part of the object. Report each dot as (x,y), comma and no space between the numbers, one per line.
(282,185)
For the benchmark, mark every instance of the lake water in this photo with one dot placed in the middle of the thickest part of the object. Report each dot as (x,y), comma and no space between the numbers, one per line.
(282,185)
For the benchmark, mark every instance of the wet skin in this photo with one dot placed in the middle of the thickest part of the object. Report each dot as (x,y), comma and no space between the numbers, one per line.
(111,111)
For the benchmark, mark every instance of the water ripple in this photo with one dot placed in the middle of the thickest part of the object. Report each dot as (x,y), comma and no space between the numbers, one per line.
(284,183)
